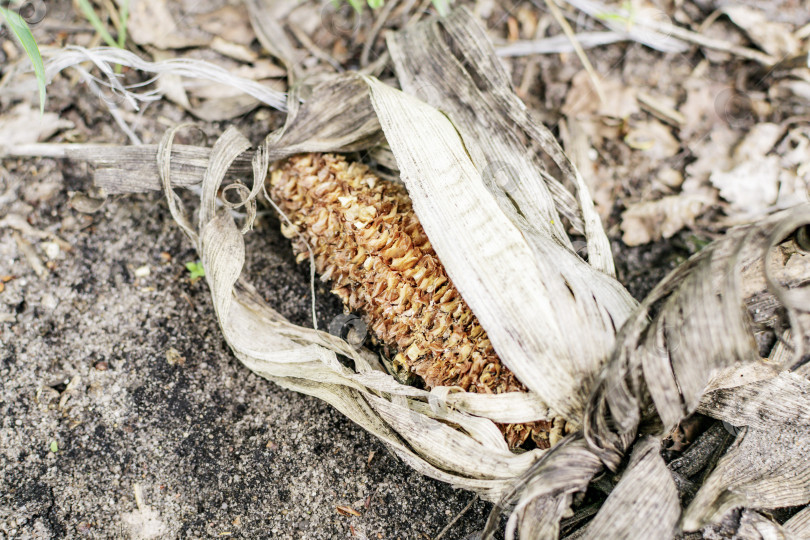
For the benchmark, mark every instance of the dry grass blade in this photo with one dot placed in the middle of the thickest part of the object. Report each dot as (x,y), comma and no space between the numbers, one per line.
(661,33)
(560,44)
(569,33)
(105,57)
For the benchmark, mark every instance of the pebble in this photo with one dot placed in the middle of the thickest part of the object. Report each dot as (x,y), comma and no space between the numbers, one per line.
(49,301)
(52,249)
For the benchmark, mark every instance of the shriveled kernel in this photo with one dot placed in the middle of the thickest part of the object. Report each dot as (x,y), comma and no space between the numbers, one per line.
(366,239)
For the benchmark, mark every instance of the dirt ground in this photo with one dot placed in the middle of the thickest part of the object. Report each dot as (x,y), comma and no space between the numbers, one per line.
(123,412)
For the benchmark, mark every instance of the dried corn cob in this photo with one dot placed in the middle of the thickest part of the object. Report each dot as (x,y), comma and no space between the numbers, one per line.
(367,240)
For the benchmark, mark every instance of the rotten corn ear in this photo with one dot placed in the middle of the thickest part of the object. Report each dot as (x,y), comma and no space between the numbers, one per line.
(367,240)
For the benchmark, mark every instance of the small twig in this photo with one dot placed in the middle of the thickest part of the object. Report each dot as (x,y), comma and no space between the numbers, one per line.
(30,255)
(455,519)
(316,51)
(10,194)
(115,18)
(419,12)
(560,43)
(710,20)
(136,488)
(18,223)
(592,75)
(372,35)
(750,54)
(668,30)
(404,10)
(377,66)
(67,28)
(660,110)
(718,44)
(530,72)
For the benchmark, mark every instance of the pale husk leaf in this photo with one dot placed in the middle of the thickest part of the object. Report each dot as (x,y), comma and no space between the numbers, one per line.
(701,327)
(527,314)
(644,504)
(449,63)
(799,524)
(757,526)
(766,468)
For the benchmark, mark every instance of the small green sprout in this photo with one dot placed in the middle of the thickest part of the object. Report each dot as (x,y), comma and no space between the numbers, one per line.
(196,269)
(54,447)
(696,243)
(628,19)
(95,21)
(20,29)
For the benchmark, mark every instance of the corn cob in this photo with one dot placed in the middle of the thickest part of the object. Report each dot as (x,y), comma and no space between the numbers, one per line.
(366,239)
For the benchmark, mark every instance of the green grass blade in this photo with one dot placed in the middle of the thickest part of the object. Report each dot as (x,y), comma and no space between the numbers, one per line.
(91,16)
(442,6)
(20,29)
(122,34)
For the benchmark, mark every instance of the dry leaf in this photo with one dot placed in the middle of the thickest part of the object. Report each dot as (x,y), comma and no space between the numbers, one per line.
(713,153)
(648,221)
(347,511)
(774,38)
(581,101)
(24,124)
(233,50)
(229,23)
(751,187)
(759,181)
(654,139)
(151,23)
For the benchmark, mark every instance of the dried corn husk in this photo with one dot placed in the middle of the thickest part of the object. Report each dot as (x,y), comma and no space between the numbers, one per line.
(505,249)
(409,419)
